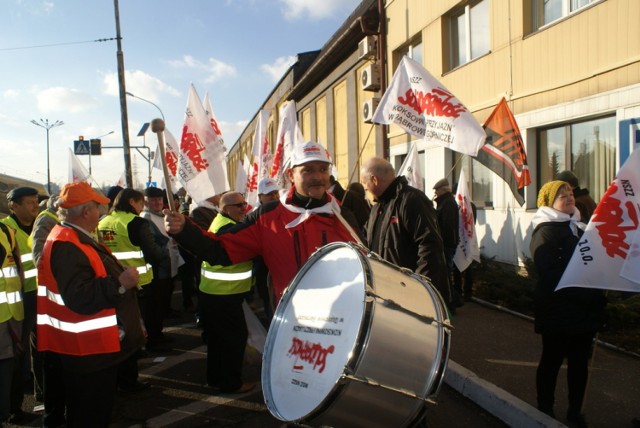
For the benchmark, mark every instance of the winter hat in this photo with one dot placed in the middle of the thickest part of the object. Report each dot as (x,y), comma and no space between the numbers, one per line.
(443,182)
(549,191)
(569,177)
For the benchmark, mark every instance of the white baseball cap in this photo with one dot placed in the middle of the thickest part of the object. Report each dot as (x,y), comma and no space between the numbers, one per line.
(309,152)
(267,185)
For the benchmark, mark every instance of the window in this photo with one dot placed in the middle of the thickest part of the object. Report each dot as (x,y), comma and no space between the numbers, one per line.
(469,33)
(413,50)
(587,148)
(548,11)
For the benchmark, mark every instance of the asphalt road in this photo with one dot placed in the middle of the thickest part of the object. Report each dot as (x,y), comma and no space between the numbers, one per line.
(178,396)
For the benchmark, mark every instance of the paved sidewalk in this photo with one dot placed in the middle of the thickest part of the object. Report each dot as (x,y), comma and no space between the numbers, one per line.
(494,357)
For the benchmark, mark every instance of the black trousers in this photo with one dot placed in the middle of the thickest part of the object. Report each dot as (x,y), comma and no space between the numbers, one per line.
(576,348)
(90,397)
(227,334)
(53,390)
(152,302)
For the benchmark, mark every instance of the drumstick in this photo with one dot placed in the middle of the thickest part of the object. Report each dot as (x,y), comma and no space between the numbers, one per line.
(352,232)
(157,126)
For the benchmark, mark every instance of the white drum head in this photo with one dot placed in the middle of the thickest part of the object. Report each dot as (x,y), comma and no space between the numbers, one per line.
(314,332)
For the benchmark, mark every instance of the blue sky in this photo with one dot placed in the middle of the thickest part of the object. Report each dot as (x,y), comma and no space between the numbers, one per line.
(52,68)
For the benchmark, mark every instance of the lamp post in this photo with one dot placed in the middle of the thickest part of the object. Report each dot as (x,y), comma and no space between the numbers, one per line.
(147,101)
(144,129)
(44,123)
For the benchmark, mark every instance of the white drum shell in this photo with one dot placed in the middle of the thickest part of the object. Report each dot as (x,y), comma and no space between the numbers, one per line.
(393,352)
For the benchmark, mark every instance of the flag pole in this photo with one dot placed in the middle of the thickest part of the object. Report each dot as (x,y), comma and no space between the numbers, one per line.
(157,126)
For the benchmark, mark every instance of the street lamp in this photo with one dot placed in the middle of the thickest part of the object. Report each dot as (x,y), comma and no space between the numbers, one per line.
(44,123)
(147,101)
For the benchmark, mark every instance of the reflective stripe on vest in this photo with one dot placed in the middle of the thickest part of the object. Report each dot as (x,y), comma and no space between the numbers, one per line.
(224,276)
(78,327)
(54,297)
(11,271)
(126,255)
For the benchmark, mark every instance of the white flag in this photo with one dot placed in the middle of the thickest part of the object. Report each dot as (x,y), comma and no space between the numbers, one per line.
(251,192)
(122,181)
(608,253)
(77,171)
(241,179)
(422,106)
(172,156)
(289,135)
(411,168)
(201,169)
(220,177)
(261,146)
(467,250)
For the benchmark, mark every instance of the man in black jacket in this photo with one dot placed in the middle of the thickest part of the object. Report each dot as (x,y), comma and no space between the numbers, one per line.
(402,226)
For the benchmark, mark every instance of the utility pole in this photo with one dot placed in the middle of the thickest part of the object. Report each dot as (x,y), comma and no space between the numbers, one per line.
(123,102)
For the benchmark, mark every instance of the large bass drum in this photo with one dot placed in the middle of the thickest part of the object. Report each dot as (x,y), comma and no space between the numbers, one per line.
(355,342)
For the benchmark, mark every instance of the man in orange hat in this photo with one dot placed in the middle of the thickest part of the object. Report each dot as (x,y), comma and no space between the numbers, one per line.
(87,313)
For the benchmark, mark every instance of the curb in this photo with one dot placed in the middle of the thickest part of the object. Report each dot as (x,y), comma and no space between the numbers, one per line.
(506,407)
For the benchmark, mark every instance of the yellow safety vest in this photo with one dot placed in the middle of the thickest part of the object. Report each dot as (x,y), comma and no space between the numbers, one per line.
(113,232)
(28,267)
(10,284)
(234,279)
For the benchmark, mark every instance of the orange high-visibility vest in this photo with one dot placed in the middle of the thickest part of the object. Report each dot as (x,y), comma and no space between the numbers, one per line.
(59,328)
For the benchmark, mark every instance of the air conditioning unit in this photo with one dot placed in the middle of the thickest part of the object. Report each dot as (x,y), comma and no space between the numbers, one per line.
(370,78)
(367,47)
(368,108)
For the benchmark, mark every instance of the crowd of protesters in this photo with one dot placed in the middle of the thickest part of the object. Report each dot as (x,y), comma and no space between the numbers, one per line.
(76,330)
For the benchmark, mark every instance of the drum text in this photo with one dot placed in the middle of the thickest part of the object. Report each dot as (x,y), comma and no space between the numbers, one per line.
(334,320)
(318,330)
(312,353)
(299,383)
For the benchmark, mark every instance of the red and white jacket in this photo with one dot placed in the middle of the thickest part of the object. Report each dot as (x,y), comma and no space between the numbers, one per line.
(282,233)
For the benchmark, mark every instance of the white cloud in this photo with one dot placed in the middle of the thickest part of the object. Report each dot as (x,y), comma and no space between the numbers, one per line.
(315,10)
(10,94)
(231,131)
(60,99)
(279,67)
(140,84)
(214,68)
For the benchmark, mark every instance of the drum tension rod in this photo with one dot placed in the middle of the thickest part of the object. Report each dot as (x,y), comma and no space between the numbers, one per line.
(394,306)
(370,382)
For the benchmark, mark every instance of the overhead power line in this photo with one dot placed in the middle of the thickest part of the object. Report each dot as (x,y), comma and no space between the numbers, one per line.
(58,44)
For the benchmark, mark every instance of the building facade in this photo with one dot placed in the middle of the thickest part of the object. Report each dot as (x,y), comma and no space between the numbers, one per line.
(569,70)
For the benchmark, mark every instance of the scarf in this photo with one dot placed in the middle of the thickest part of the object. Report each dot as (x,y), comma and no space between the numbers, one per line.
(305,213)
(548,214)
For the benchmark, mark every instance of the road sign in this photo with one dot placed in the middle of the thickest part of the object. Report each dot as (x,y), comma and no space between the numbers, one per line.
(96,147)
(152,184)
(81,147)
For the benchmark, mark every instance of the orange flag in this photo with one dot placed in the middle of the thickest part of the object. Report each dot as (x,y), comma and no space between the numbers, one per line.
(503,152)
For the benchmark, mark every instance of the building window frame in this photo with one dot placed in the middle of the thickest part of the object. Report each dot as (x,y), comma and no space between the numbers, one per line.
(588,147)
(466,40)
(413,49)
(546,13)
